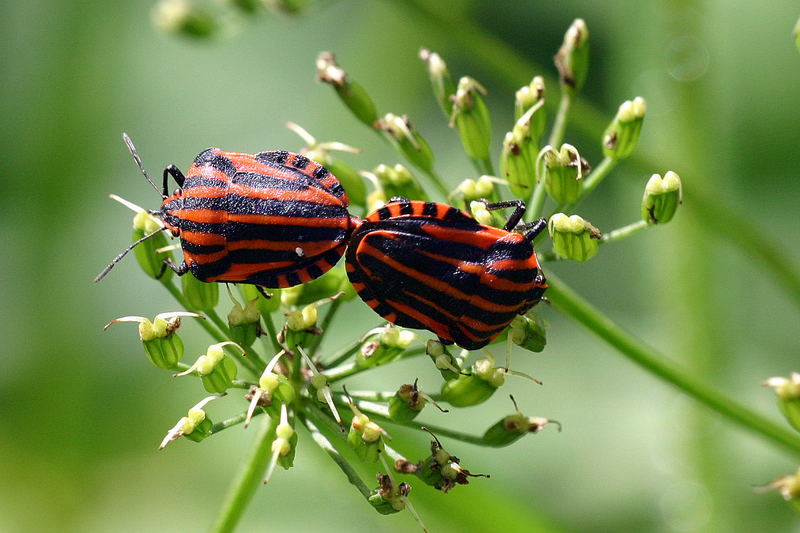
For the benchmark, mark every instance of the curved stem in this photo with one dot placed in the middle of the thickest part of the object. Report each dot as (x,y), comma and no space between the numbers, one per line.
(624,232)
(560,122)
(248,478)
(656,363)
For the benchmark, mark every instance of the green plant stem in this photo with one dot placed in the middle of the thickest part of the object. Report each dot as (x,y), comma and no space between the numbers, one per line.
(233,421)
(483,166)
(319,417)
(437,182)
(324,326)
(214,332)
(656,363)
(625,231)
(248,478)
(536,203)
(272,333)
(344,354)
(560,122)
(515,70)
(381,412)
(596,176)
(348,369)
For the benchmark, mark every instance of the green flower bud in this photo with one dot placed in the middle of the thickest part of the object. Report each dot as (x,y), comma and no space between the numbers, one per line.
(527,332)
(468,390)
(350,92)
(383,345)
(399,181)
(303,319)
(245,322)
(365,438)
(285,442)
(573,237)
(789,487)
(471,117)
(194,426)
(350,179)
(572,59)
(622,135)
(661,198)
(164,348)
(265,305)
(406,404)
(442,83)
(446,363)
(246,6)
(181,16)
(389,498)
(200,296)
(528,96)
(481,214)
(788,392)
(512,427)
(563,173)
(151,262)
(515,163)
(216,370)
(407,140)
(442,470)
(797,34)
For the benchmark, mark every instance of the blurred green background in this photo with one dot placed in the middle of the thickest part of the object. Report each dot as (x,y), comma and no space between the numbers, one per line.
(81,411)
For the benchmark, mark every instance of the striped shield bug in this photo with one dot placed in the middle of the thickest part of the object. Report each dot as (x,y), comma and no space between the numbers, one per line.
(427,265)
(273,219)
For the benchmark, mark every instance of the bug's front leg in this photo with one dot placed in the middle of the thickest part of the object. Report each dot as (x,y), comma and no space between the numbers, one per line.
(516,216)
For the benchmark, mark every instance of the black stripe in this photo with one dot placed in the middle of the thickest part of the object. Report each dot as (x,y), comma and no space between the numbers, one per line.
(273,156)
(321,173)
(257,180)
(405,208)
(208,270)
(293,279)
(217,161)
(314,271)
(252,256)
(300,162)
(337,190)
(384,213)
(193,181)
(236,231)
(245,205)
(201,249)
(429,210)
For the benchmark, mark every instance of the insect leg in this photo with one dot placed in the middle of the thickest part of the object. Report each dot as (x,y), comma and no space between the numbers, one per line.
(176,174)
(516,216)
(180,270)
(532,229)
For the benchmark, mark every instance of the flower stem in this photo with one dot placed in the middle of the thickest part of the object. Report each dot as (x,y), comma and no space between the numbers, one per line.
(560,123)
(233,421)
(438,183)
(351,368)
(324,326)
(327,447)
(625,231)
(252,355)
(272,333)
(248,478)
(597,175)
(344,354)
(656,363)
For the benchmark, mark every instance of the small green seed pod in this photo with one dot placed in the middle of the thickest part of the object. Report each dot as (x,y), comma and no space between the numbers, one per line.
(365,438)
(441,82)
(195,426)
(788,392)
(622,135)
(563,172)
(471,117)
(528,96)
(389,498)
(661,199)
(442,470)
(216,370)
(572,59)
(407,140)
(513,427)
(446,363)
(476,388)
(162,345)
(245,323)
(201,296)
(573,237)
(527,332)
(184,18)
(150,261)
(350,92)
(789,488)
(397,180)
(406,403)
(383,345)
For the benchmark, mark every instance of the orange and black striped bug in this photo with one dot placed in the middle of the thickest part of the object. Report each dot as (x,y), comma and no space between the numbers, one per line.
(273,219)
(427,265)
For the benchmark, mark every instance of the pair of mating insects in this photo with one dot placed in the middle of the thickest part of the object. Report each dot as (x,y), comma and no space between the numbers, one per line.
(277,219)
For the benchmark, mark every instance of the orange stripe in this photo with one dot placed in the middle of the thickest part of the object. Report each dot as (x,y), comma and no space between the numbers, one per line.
(206,171)
(437,327)
(204,259)
(266,220)
(309,249)
(503,284)
(482,238)
(203,239)
(469,268)
(206,216)
(311,194)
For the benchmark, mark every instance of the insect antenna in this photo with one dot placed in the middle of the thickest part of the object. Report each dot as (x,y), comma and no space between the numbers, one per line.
(117,259)
(138,160)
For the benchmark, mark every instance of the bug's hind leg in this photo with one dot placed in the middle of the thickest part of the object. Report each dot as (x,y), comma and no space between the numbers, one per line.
(516,216)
